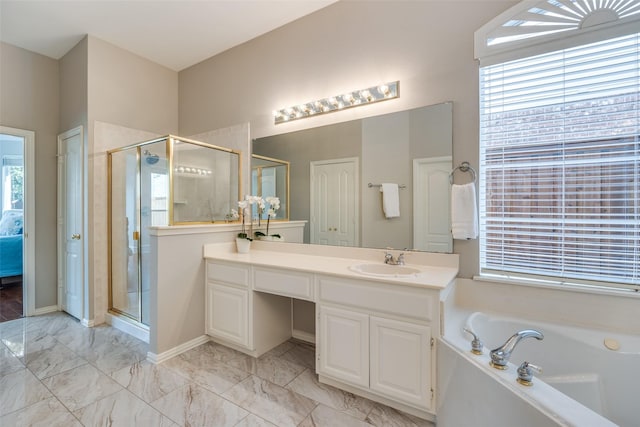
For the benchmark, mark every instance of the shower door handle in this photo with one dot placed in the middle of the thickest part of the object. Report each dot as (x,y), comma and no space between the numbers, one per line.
(136,235)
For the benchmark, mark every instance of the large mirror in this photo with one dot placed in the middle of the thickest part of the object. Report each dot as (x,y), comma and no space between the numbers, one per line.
(336,172)
(270,178)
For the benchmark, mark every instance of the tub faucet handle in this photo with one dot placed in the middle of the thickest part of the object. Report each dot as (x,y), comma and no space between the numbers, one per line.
(476,344)
(525,374)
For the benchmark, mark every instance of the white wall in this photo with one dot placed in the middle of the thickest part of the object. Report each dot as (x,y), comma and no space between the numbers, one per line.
(427,45)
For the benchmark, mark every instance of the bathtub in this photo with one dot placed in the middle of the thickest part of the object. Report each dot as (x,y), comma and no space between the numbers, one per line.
(583,383)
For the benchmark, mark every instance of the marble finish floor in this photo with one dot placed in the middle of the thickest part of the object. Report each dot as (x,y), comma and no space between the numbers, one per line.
(55,372)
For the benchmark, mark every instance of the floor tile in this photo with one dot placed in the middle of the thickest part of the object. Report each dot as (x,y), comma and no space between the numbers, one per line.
(215,351)
(323,416)
(19,390)
(52,361)
(252,420)
(307,385)
(192,405)
(148,381)
(8,361)
(275,404)
(81,386)
(121,409)
(28,342)
(208,385)
(46,413)
(203,370)
(269,367)
(384,416)
(302,354)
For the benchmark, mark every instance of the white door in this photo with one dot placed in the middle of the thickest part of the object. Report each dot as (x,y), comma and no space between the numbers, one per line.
(344,345)
(70,224)
(401,360)
(334,202)
(432,204)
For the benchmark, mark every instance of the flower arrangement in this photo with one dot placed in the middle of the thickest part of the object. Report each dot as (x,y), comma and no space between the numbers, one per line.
(242,206)
(274,205)
(244,209)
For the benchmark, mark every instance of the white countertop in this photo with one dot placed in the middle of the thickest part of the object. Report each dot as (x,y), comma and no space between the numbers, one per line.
(288,256)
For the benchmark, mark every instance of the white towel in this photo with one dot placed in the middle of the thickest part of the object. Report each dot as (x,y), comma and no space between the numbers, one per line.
(464,214)
(390,200)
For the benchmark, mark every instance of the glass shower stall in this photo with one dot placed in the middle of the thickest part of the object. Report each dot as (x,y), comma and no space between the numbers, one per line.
(165,181)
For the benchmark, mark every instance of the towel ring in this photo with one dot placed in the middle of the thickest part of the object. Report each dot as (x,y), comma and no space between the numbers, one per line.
(464,167)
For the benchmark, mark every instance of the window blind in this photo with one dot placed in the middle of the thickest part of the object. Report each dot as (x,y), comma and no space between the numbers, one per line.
(560,164)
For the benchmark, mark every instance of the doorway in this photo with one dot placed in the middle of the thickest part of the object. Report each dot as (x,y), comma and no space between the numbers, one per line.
(16,202)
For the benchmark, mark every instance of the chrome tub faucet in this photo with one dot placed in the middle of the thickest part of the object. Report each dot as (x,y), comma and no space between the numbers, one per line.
(500,356)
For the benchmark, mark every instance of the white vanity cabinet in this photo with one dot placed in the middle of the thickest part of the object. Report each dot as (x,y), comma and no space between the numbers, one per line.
(377,337)
(227,302)
(236,316)
(374,336)
(344,353)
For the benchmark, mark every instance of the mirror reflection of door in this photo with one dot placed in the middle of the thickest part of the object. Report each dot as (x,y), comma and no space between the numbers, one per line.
(11,226)
(334,202)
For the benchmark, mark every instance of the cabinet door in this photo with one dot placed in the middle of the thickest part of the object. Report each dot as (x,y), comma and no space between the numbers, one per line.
(401,360)
(227,313)
(344,345)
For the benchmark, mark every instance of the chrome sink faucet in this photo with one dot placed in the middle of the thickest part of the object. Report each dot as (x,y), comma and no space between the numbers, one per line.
(389,259)
(500,356)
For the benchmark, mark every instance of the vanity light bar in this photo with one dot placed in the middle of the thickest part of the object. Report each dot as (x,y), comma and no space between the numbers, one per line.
(356,98)
(192,170)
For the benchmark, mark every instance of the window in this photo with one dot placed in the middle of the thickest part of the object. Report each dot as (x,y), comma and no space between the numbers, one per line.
(12,183)
(560,162)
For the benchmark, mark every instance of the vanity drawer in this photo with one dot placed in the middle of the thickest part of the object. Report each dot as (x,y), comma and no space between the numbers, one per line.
(231,274)
(285,283)
(395,299)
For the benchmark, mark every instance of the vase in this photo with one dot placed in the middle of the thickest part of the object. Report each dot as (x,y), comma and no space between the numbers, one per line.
(243,245)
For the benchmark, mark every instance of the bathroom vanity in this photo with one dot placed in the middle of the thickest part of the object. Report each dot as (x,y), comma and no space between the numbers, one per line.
(376,324)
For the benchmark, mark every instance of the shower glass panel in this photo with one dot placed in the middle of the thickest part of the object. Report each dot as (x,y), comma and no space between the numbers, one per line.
(166,181)
(125,278)
(154,210)
(205,183)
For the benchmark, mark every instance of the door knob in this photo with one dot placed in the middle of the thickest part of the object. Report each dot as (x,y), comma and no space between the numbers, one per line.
(75,236)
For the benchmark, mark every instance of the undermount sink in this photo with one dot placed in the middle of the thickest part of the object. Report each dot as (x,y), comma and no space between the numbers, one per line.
(385,270)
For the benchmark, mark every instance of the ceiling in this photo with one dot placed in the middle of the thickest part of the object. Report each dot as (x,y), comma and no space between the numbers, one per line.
(173,33)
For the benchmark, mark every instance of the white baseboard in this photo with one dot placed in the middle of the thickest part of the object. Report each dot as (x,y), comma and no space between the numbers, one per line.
(303,336)
(166,355)
(45,310)
(89,323)
(130,328)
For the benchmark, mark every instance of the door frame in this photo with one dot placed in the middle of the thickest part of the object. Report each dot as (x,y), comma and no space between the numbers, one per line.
(60,236)
(29,226)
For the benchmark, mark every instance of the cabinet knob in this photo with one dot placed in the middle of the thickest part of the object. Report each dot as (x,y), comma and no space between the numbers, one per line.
(75,237)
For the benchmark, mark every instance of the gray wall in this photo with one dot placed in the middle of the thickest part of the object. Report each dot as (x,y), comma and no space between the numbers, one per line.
(30,101)
(427,45)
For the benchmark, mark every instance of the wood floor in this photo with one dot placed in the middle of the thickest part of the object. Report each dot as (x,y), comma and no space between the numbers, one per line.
(10,300)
